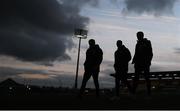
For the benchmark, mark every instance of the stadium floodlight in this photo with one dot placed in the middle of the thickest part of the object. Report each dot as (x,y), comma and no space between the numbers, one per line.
(81,34)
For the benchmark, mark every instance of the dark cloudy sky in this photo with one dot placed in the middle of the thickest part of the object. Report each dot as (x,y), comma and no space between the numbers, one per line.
(36,30)
(37,43)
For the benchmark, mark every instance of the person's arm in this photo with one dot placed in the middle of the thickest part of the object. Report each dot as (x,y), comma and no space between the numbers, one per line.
(100,56)
(85,63)
(129,55)
(134,58)
(115,58)
(150,51)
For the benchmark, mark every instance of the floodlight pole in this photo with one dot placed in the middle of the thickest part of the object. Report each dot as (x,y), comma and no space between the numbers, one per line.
(77,68)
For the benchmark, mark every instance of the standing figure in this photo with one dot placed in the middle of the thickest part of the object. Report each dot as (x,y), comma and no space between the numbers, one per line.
(142,61)
(122,57)
(94,56)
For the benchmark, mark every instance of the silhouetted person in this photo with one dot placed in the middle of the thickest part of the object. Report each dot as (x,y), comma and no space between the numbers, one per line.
(122,57)
(94,56)
(142,61)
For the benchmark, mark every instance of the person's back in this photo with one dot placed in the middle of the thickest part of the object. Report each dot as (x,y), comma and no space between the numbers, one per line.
(122,57)
(99,55)
(94,56)
(148,51)
(90,57)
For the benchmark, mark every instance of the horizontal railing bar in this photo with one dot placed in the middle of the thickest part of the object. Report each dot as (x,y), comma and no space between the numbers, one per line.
(161,74)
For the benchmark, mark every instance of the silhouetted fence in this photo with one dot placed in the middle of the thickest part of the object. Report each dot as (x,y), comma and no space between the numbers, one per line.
(157,75)
(166,77)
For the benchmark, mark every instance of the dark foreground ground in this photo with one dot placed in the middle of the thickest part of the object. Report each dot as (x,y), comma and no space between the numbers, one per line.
(162,98)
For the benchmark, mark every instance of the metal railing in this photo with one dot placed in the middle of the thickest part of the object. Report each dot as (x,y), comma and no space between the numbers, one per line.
(157,75)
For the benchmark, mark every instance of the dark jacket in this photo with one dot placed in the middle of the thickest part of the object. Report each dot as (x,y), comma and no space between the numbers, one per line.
(94,56)
(143,53)
(122,57)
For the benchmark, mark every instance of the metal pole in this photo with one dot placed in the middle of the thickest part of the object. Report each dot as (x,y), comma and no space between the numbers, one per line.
(77,68)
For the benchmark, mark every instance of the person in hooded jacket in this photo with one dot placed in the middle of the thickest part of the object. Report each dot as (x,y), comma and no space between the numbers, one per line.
(122,57)
(94,57)
(142,61)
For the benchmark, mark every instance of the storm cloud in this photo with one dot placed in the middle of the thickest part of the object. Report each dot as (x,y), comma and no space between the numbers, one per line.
(155,7)
(39,30)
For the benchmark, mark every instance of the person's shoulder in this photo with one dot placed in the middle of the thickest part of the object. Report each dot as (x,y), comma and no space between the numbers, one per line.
(116,51)
(138,43)
(89,49)
(146,40)
(125,48)
(98,48)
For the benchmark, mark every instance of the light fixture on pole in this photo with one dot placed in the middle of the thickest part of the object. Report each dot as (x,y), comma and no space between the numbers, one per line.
(81,34)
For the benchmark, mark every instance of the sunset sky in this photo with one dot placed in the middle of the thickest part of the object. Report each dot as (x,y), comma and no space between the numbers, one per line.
(37,45)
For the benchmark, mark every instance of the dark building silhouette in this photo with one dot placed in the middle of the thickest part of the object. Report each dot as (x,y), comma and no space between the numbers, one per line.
(122,57)
(94,56)
(9,86)
(142,60)
(9,83)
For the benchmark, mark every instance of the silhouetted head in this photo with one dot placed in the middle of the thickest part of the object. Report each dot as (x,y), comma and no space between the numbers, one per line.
(140,35)
(92,42)
(119,43)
